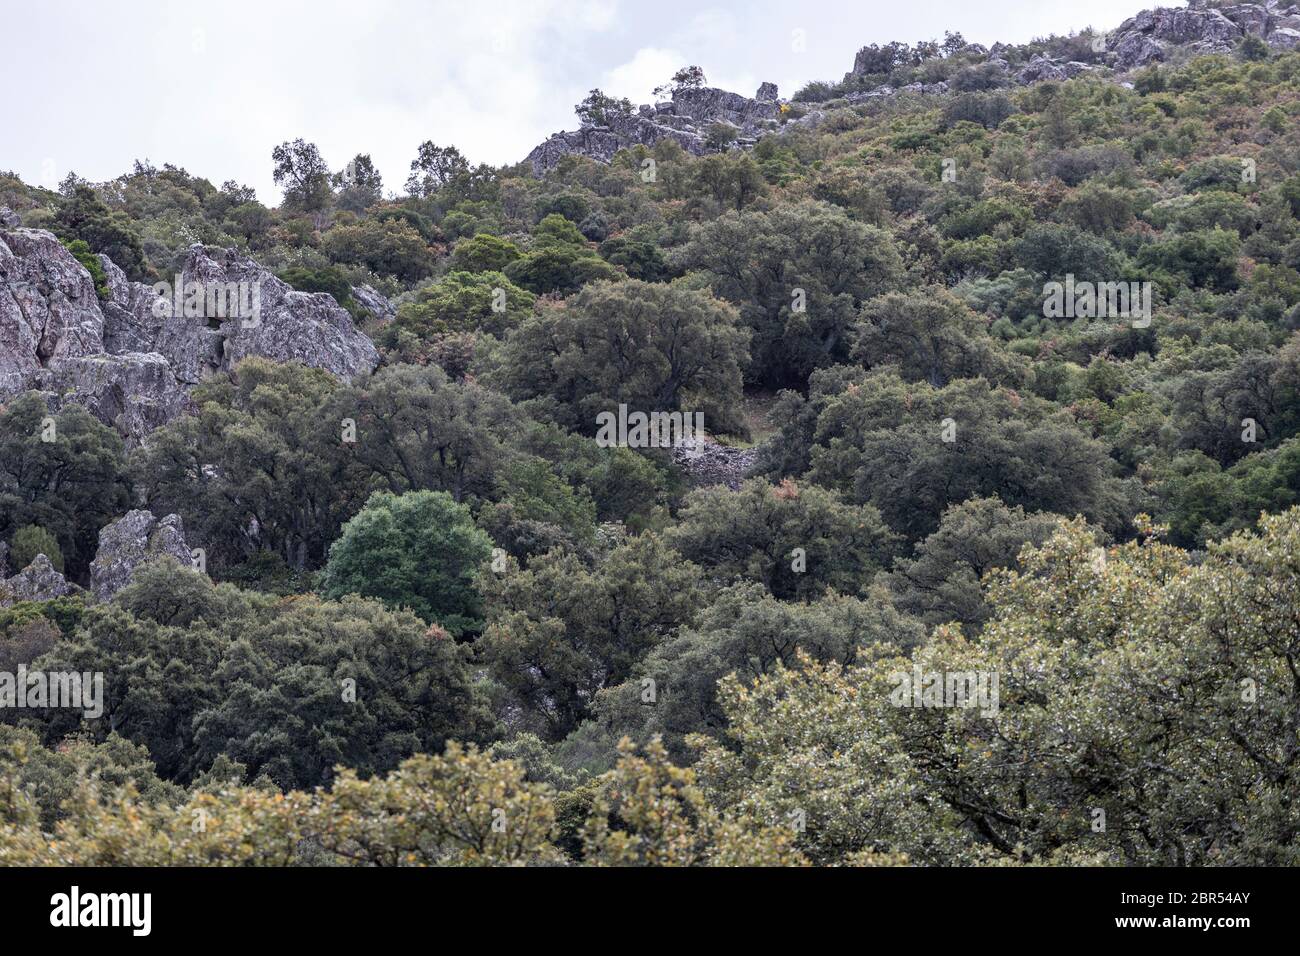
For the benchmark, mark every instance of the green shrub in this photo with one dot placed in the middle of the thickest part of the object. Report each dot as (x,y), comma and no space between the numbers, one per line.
(31,540)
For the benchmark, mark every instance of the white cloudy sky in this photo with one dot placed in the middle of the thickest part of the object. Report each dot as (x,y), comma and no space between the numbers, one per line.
(214,86)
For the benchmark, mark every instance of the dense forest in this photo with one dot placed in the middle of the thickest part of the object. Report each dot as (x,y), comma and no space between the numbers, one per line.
(438,622)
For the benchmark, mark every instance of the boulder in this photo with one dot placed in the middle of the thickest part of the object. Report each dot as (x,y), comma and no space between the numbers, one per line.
(39,581)
(374,302)
(131,541)
(1284,38)
(1041,68)
(1136,50)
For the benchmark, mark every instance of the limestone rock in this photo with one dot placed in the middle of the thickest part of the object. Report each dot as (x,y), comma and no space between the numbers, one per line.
(131,541)
(685,120)
(129,359)
(48,306)
(374,302)
(291,326)
(134,392)
(1284,38)
(39,581)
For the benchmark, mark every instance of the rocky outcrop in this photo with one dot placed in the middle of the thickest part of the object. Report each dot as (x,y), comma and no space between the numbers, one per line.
(709,105)
(306,327)
(706,462)
(685,119)
(131,541)
(1149,37)
(48,306)
(1200,28)
(39,581)
(374,302)
(135,393)
(132,358)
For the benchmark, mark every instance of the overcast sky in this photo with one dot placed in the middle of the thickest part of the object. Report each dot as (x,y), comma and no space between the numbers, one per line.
(212,87)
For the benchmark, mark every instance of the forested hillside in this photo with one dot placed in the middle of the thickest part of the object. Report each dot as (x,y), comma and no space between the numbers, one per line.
(998,379)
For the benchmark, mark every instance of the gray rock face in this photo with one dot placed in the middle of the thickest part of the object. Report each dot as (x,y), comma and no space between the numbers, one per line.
(134,392)
(1252,18)
(1137,49)
(685,120)
(131,359)
(598,143)
(131,541)
(306,327)
(36,582)
(709,105)
(374,302)
(1149,37)
(1285,38)
(48,306)
(192,349)
(9,219)
(1041,68)
(1190,25)
(1145,38)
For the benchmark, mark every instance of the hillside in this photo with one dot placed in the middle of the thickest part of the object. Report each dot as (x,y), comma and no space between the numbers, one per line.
(375,504)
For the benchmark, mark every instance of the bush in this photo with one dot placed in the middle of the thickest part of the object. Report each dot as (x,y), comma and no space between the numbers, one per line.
(81,252)
(326,279)
(31,540)
(420,550)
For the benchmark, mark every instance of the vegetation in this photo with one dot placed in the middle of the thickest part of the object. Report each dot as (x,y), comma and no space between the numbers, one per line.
(446,626)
